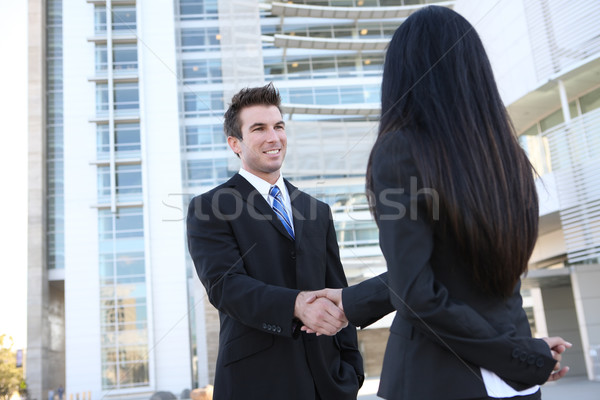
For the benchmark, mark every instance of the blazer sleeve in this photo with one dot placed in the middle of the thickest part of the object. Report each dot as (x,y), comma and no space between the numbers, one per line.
(406,239)
(336,278)
(220,267)
(367,301)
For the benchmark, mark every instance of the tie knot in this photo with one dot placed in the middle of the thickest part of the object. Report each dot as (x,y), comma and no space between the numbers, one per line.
(275,192)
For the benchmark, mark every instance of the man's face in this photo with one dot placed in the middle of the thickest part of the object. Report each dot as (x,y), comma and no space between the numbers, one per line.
(263,147)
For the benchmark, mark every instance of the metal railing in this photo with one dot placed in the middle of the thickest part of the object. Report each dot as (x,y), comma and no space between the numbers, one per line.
(563,33)
(575,155)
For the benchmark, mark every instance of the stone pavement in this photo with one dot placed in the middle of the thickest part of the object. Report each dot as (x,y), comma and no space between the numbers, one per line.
(576,388)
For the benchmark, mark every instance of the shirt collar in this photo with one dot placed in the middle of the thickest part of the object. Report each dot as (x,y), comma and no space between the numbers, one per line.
(263,187)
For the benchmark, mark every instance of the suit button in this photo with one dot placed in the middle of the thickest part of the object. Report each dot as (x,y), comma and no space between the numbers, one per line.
(515,353)
(278,329)
(264,326)
(523,356)
(531,360)
(539,362)
(293,254)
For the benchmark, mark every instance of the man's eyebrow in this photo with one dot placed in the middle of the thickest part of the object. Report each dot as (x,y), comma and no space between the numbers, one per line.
(258,124)
(254,125)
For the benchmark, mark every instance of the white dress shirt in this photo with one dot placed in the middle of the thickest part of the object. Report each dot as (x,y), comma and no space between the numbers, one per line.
(496,387)
(263,187)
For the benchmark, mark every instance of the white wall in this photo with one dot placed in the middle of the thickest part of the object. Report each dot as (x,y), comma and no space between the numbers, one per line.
(162,182)
(82,308)
(503,31)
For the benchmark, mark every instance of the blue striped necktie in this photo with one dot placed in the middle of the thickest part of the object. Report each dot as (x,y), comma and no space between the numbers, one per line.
(279,209)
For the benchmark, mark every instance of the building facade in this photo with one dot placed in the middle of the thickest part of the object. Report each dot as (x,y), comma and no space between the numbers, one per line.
(125,126)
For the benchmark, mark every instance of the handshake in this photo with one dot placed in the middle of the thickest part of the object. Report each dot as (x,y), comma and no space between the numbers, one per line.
(321,311)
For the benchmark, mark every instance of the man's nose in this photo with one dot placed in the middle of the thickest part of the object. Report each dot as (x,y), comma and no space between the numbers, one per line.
(272,135)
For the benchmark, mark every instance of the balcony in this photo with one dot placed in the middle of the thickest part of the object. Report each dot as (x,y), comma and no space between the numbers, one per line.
(563,35)
(301,10)
(574,149)
(303,42)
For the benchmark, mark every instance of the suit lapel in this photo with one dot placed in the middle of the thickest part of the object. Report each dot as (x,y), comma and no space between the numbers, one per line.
(257,202)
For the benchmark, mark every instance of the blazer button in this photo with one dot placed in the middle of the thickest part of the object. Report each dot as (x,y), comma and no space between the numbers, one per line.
(539,362)
(264,326)
(531,360)
(293,254)
(523,356)
(278,329)
(516,353)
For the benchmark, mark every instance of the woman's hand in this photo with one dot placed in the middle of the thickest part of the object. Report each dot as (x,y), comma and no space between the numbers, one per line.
(557,346)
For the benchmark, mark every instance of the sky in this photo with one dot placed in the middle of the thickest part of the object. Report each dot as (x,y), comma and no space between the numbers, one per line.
(13,170)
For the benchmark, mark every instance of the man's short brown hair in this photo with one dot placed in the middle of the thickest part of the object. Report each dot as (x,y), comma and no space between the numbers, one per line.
(265,95)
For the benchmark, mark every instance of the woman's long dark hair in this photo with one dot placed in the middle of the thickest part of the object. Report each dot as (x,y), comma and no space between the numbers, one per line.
(439,90)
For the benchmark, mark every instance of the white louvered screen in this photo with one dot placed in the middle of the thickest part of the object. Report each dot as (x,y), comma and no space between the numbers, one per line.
(575,155)
(563,33)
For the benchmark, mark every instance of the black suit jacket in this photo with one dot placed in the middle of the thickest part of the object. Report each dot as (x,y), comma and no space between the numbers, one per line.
(252,271)
(445,328)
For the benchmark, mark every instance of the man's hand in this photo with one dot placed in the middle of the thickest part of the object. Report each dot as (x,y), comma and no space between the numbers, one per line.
(318,314)
(557,346)
(334,296)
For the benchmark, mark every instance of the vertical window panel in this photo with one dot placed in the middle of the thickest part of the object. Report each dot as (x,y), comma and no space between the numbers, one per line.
(123,299)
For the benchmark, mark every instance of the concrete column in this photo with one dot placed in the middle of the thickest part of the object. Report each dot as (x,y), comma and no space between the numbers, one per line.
(585,281)
(562,320)
(37,273)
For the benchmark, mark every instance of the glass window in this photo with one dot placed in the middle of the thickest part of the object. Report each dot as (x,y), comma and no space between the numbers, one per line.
(125,57)
(205,137)
(102,142)
(273,66)
(214,71)
(123,300)
(323,64)
(200,39)
(198,9)
(327,95)
(101,58)
(351,95)
(190,7)
(590,101)
(552,120)
(202,103)
(126,97)
(129,182)
(301,96)
(127,139)
(207,172)
(103,184)
(537,149)
(194,71)
(123,19)
(101,99)
(100,19)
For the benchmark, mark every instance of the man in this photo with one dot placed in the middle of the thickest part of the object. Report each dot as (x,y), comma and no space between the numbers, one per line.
(258,244)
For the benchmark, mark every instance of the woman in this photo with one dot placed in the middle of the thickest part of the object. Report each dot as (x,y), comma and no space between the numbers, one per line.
(454,197)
